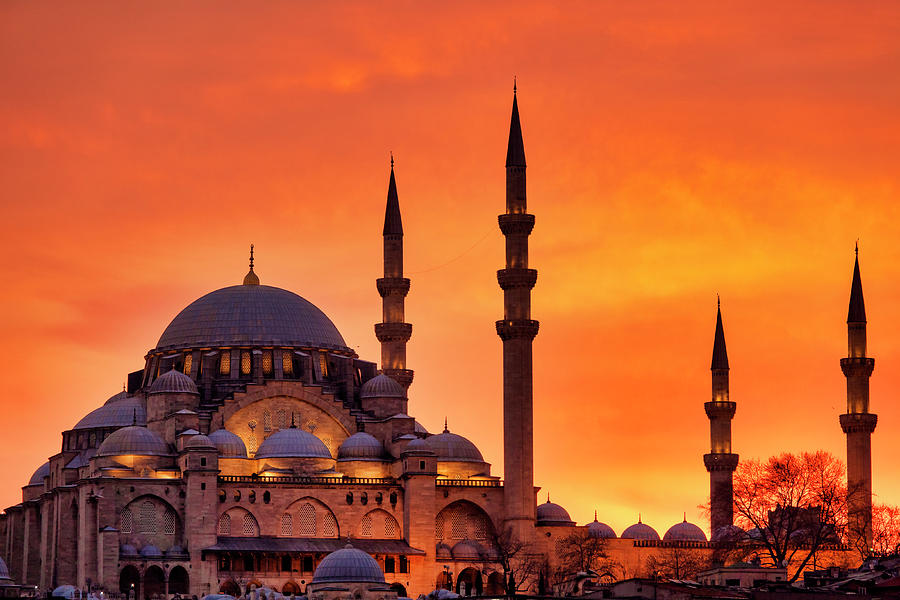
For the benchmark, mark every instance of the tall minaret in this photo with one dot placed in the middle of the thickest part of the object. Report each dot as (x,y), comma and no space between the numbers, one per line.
(393,332)
(720,462)
(517,330)
(858,423)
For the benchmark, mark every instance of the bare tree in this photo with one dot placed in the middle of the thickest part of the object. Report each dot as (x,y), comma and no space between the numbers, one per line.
(675,562)
(885,530)
(522,566)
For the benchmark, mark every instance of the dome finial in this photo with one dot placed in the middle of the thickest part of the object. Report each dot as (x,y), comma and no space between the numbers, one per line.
(251,278)
(134,418)
(685,516)
(445,426)
(514,85)
(548,497)
(293,425)
(392,160)
(639,518)
(595,514)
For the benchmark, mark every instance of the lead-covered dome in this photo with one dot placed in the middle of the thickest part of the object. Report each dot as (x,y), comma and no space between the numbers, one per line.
(361,446)
(133,440)
(293,443)
(549,513)
(200,441)
(37,478)
(640,531)
(229,444)
(685,532)
(125,411)
(598,529)
(348,565)
(382,386)
(251,315)
(173,382)
(452,447)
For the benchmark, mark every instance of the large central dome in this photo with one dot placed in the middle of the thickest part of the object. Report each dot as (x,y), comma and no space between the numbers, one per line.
(251,315)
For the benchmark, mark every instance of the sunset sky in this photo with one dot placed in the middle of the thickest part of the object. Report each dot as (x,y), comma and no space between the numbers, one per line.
(675,151)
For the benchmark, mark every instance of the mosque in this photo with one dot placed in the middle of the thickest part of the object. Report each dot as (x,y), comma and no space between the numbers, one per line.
(255,448)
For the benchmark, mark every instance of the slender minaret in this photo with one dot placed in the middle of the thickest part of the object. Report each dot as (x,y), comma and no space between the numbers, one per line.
(517,330)
(858,423)
(393,332)
(720,462)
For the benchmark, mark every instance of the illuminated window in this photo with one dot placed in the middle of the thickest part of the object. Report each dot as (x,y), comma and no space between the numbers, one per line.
(225,524)
(391,527)
(267,420)
(169,523)
(188,363)
(267,363)
(307,520)
(245,362)
(287,524)
(252,444)
(225,363)
(287,364)
(148,517)
(126,521)
(365,529)
(439,526)
(323,364)
(329,526)
(249,524)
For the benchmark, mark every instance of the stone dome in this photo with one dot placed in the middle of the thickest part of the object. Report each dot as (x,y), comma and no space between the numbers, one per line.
(361,446)
(200,441)
(116,397)
(4,570)
(684,532)
(442,550)
(639,531)
(348,565)
(128,550)
(549,513)
(37,478)
(596,529)
(151,550)
(293,443)
(452,447)
(119,413)
(382,386)
(229,444)
(251,315)
(173,382)
(466,550)
(133,440)
(417,445)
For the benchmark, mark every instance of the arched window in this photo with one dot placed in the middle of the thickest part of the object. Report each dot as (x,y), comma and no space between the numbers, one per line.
(329,526)
(287,363)
(267,420)
(148,517)
(481,527)
(439,526)
(225,363)
(391,527)
(307,520)
(188,362)
(365,528)
(267,363)
(126,521)
(287,524)
(225,524)
(458,524)
(169,522)
(267,497)
(246,363)
(281,418)
(249,524)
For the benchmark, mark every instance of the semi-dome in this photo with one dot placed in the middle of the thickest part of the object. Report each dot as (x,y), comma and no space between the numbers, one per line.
(229,444)
(640,531)
(466,550)
(151,550)
(37,478)
(116,397)
(200,441)
(452,447)
(251,315)
(173,382)
(133,440)
(361,446)
(596,529)
(119,413)
(292,443)
(382,386)
(348,565)
(549,513)
(684,532)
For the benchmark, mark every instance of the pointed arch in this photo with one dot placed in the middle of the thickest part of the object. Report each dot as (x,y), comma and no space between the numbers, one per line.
(380,524)
(312,518)
(461,520)
(238,522)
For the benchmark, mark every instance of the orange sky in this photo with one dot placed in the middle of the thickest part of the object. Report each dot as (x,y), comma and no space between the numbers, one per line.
(675,150)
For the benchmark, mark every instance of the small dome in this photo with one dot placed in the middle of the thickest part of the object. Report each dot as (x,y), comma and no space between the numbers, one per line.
(173,382)
(229,444)
(443,551)
(121,413)
(175,550)
(382,386)
(128,550)
(419,428)
(293,443)
(133,440)
(685,532)
(452,447)
(417,445)
(640,531)
(151,550)
(466,550)
(596,529)
(348,565)
(549,513)
(200,441)
(116,397)
(37,478)
(361,446)
(729,533)
(4,570)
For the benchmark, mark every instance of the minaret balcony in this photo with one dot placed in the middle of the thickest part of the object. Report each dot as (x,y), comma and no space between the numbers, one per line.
(393,332)
(857,366)
(720,410)
(516,223)
(393,286)
(720,462)
(859,422)
(402,376)
(516,278)
(517,329)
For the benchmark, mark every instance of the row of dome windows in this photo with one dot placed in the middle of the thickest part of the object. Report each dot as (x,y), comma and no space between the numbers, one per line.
(293,364)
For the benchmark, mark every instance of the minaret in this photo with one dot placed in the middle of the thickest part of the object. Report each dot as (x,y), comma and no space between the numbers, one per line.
(393,332)
(858,423)
(720,462)
(517,330)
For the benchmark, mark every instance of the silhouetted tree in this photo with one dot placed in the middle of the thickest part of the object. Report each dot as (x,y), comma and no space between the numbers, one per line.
(674,562)
(885,530)
(520,563)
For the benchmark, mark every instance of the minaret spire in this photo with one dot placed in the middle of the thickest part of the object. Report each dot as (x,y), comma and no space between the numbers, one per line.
(858,423)
(720,462)
(393,332)
(517,330)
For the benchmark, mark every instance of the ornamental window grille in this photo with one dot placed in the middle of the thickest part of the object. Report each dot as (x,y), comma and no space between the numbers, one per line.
(246,363)
(225,524)
(287,524)
(281,418)
(481,527)
(252,444)
(126,521)
(287,364)
(148,517)
(439,526)
(267,364)
(249,527)
(188,363)
(169,523)
(329,526)
(267,420)
(365,529)
(391,528)
(225,363)
(307,520)
(323,364)
(458,525)
(328,443)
